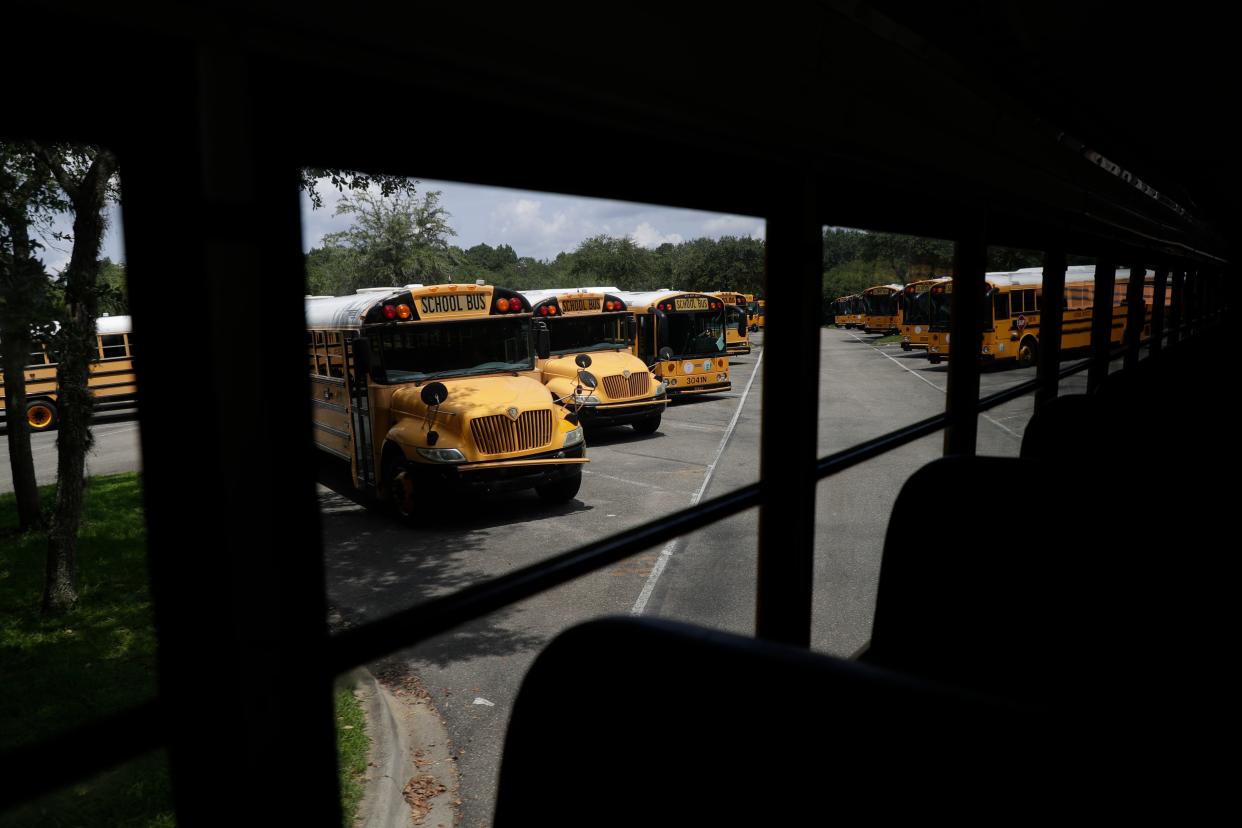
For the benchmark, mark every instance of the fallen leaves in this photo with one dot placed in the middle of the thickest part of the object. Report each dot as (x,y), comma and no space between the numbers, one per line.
(419,792)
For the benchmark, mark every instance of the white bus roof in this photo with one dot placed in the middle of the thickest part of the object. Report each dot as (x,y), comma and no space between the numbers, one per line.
(345,311)
(646,297)
(114,325)
(537,296)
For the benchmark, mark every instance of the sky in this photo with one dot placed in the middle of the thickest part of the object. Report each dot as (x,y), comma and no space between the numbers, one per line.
(539,225)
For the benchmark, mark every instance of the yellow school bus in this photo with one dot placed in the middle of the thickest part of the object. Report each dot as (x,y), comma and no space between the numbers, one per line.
(682,337)
(737,327)
(427,390)
(1011,314)
(851,308)
(111,380)
(881,311)
(596,325)
(755,313)
(916,314)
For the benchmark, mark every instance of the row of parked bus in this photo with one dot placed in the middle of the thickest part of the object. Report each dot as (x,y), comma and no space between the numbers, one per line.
(472,387)
(919,312)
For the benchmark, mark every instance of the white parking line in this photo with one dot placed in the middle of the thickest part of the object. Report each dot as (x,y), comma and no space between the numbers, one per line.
(987,417)
(669,548)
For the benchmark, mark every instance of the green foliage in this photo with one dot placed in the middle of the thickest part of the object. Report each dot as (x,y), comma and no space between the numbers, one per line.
(352,746)
(113,288)
(393,240)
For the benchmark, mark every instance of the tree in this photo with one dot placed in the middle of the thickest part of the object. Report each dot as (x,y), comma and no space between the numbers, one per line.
(397,239)
(28,198)
(609,260)
(87,177)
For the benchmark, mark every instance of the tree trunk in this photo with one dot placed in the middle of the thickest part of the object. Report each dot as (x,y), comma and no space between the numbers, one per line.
(21,462)
(76,349)
(26,276)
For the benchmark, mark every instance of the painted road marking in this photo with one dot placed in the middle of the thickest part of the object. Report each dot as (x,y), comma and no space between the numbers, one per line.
(669,548)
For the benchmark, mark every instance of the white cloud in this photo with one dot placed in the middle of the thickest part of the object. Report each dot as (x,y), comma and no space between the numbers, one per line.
(734,226)
(644,235)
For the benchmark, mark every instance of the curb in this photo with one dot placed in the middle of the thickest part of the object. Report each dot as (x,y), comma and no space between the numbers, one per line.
(409,747)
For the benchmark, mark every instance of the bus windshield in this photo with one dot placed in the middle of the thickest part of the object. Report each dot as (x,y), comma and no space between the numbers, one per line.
(456,349)
(592,333)
(881,304)
(918,308)
(696,334)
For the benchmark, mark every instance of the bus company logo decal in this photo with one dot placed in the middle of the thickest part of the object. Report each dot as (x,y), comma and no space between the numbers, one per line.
(512,412)
(452,303)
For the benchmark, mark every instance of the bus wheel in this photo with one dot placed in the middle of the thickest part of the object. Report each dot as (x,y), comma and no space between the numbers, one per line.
(647,425)
(41,415)
(400,490)
(1028,352)
(562,491)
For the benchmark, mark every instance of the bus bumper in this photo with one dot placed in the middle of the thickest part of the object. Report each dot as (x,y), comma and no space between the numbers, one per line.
(612,414)
(690,390)
(504,475)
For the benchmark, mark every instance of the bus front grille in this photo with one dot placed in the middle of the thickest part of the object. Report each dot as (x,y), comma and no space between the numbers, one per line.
(618,387)
(500,434)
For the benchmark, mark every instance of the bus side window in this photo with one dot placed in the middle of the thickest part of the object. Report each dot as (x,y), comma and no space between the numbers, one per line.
(335,355)
(40,356)
(1002,306)
(317,365)
(112,346)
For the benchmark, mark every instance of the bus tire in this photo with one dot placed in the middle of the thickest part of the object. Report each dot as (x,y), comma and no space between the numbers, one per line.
(1028,352)
(562,491)
(41,415)
(647,425)
(399,494)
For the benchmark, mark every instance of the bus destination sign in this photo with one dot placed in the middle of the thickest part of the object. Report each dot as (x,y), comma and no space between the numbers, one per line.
(581,304)
(452,303)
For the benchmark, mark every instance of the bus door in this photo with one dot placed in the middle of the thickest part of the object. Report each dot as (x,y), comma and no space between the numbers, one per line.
(358,358)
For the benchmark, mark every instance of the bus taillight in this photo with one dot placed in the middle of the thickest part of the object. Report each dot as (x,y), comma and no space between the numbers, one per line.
(403,312)
(390,312)
(502,305)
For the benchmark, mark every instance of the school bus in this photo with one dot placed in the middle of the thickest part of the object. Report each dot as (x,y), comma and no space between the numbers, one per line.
(111,379)
(881,312)
(682,337)
(916,313)
(755,312)
(737,327)
(598,326)
(432,389)
(1011,313)
(851,308)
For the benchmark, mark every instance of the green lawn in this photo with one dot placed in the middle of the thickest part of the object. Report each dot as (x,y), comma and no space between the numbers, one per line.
(99,659)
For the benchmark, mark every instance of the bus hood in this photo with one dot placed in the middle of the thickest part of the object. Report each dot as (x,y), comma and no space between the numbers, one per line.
(470,397)
(603,364)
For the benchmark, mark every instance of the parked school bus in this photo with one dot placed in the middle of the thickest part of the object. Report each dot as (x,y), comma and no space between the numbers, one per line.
(597,325)
(682,337)
(432,389)
(915,325)
(881,311)
(737,322)
(111,380)
(755,312)
(1011,314)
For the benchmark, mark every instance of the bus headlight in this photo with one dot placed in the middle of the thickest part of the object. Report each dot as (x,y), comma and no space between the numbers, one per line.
(574,437)
(442,455)
(590,399)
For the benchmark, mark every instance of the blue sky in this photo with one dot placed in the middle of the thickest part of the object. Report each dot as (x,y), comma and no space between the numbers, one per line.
(539,225)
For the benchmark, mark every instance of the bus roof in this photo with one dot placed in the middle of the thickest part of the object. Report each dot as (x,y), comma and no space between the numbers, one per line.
(642,298)
(345,311)
(114,325)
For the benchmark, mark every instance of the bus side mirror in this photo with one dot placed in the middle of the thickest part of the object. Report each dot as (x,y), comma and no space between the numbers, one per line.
(543,340)
(582,361)
(666,353)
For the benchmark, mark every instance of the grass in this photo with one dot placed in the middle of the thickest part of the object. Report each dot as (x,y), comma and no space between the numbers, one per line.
(352,746)
(98,659)
(889,339)
(59,673)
